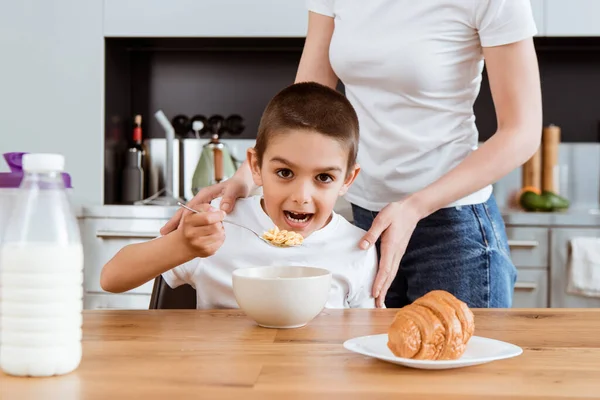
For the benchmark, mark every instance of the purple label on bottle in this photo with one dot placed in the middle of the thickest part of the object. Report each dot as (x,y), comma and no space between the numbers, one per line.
(12,179)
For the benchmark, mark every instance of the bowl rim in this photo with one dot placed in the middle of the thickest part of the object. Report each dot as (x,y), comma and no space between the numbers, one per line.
(238,273)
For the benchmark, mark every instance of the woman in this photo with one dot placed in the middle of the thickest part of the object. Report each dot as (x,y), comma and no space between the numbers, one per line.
(412,69)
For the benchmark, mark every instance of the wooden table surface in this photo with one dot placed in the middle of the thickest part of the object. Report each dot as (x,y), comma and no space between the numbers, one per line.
(172,354)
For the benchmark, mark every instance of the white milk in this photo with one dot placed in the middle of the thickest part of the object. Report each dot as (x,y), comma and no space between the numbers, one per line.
(41,295)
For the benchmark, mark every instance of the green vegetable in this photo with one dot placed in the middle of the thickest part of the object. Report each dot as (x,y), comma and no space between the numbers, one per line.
(545,202)
(558,202)
(531,201)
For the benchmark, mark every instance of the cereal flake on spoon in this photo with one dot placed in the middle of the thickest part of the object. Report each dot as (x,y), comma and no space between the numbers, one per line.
(283,238)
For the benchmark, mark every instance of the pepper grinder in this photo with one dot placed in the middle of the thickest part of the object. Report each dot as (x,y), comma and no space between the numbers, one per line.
(531,171)
(550,172)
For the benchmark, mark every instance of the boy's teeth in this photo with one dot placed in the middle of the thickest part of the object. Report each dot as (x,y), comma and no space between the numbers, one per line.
(297,217)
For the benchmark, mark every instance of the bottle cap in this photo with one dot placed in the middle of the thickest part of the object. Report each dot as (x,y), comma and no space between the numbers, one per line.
(40,162)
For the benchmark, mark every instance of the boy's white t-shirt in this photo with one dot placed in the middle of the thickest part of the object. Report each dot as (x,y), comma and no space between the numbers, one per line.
(412,70)
(334,247)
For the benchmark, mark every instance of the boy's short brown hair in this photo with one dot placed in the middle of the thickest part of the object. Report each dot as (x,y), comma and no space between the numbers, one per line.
(312,107)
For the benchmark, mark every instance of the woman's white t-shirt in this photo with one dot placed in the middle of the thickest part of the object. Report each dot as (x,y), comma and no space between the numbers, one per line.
(412,70)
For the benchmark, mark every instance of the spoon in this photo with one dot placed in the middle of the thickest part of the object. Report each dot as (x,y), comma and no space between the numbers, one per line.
(241,226)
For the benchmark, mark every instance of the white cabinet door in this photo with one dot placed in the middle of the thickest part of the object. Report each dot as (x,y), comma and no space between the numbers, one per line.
(51,86)
(205,18)
(528,246)
(531,288)
(99,301)
(572,17)
(537,6)
(103,238)
(560,243)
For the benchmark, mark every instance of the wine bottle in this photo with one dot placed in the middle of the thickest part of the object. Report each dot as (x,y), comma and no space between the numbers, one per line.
(133,171)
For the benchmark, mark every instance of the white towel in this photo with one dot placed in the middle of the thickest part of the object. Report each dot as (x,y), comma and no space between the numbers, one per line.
(584,267)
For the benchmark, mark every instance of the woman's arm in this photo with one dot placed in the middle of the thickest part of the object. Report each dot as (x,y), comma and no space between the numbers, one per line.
(515,84)
(314,64)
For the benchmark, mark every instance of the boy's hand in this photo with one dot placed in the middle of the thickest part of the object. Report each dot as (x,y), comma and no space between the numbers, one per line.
(203,233)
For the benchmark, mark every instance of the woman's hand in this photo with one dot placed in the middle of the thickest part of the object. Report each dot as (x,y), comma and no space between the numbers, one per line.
(395,224)
(238,186)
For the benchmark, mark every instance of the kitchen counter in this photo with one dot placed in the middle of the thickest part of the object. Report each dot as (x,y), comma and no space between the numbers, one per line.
(571,217)
(128,212)
(223,354)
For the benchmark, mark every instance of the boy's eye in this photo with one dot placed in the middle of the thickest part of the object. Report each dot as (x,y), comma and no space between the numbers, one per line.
(324,178)
(285,173)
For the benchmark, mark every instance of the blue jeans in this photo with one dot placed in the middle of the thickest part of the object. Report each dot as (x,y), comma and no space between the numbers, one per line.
(463,250)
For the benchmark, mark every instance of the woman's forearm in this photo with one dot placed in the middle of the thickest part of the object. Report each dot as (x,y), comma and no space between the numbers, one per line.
(515,85)
(138,263)
(314,63)
(498,156)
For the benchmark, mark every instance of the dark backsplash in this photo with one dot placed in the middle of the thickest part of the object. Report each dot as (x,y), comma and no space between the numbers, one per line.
(570,76)
(227,76)
(239,76)
(201,76)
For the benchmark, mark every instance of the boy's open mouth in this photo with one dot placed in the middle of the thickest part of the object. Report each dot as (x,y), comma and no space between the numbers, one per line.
(297,218)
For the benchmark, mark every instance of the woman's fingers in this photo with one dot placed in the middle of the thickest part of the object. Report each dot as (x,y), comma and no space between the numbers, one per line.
(397,257)
(232,192)
(386,264)
(394,225)
(204,196)
(380,224)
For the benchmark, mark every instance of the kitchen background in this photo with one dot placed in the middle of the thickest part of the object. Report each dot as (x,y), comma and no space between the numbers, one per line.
(74,74)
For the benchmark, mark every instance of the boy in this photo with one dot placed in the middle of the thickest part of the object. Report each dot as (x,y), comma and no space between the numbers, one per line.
(304,158)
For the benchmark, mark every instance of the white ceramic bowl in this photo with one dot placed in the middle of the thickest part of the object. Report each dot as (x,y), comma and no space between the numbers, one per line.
(282,297)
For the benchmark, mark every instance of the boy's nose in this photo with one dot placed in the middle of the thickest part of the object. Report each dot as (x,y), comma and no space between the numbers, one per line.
(302,193)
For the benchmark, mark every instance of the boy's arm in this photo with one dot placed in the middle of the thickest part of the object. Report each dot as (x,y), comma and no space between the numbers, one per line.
(138,263)
(199,235)
(363,294)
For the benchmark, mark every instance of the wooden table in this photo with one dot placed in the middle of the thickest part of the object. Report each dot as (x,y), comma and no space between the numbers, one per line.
(223,354)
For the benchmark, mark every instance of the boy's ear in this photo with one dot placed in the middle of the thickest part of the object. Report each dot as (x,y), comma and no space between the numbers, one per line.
(350,177)
(254,166)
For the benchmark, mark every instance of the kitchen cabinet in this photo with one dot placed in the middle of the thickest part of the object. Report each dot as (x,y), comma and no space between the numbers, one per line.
(539,253)
(51,80)
(560,239)
(528,246)
(102,238)
(571,18)
(529,252)
(221,18)
(111,301)
(205,18)
(531,288)
(537,7)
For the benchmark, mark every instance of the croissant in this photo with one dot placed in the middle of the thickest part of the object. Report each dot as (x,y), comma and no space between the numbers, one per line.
(437,326)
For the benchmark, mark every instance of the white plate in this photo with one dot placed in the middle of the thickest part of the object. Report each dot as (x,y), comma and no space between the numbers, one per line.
(479,351)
